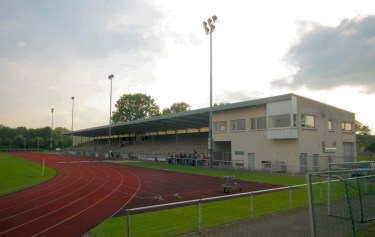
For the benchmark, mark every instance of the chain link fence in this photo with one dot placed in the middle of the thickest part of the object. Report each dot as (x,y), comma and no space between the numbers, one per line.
(344,203)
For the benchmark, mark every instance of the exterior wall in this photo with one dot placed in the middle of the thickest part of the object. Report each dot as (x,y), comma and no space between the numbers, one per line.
(286,144)
(312,141)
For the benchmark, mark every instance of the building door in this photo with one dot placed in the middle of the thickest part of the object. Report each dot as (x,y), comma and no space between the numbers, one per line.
(303,163)
(348,152)
(316,162)
(251,161)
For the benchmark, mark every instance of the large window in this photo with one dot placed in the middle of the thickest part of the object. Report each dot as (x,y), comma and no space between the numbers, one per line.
(280,121)
(220,127)
(238,125)
(258,123)
(346,127)
(308,121)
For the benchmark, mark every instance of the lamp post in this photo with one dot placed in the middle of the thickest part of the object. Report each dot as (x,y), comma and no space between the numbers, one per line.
(209,28)
(110,77)
(72,122)
(50,145)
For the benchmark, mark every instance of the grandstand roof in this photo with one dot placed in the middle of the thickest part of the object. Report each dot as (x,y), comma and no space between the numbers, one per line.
(185,120)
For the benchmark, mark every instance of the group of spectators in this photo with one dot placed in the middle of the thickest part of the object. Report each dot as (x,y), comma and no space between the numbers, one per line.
(193,159)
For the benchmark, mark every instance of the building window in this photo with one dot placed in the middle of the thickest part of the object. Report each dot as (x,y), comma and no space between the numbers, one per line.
(347,127)
(280,121)
(308,121)
(330,125)
(237,125)
(220,127)
(258,123)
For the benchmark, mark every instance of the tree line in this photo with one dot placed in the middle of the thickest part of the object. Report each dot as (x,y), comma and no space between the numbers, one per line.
(33,138)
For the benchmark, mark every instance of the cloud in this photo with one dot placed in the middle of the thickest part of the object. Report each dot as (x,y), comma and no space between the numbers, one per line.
(328,57)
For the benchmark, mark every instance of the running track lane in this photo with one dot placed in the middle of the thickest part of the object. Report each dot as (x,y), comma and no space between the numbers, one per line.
(78,198)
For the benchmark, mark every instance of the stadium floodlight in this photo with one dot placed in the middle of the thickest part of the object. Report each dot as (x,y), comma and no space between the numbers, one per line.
(72,121)
(110,77)
(209,28)
(50,146)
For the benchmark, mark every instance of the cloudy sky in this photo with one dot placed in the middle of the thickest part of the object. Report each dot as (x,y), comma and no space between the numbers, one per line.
(52,50)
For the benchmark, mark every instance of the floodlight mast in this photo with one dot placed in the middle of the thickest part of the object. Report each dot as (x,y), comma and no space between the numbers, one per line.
(72,121)
(209,28)
(51,130)
(110,77)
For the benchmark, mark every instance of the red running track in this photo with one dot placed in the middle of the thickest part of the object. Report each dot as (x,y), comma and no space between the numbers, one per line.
(86,192)
(78,198)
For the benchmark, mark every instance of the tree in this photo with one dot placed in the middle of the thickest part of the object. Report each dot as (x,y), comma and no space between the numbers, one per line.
(371,147)
(362,129)
(363,135)
(19,141)
(176,108)
(135,106)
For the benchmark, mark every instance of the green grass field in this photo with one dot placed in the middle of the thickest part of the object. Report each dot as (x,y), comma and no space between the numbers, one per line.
(17,174)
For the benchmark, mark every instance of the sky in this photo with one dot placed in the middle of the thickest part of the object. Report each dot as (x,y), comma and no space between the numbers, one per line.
(52,50)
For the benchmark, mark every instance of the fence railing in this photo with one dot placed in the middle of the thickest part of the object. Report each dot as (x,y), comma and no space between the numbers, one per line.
(200,202)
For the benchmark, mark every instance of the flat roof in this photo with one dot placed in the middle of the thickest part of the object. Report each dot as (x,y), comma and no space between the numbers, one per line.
(191,119)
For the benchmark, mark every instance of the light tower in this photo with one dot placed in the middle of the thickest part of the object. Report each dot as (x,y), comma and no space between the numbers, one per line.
(110,77)
(209,28)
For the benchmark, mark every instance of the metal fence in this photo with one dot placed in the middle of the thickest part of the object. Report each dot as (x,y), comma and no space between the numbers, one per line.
(344,205)
(251,207)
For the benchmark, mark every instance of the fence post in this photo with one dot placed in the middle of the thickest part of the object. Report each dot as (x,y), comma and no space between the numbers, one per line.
(290,198)
(311,208)
(43,167)
(251,206)
(199,215)
(320,192)
(128,222)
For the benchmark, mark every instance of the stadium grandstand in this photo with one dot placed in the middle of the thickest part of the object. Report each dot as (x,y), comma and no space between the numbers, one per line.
(285,133)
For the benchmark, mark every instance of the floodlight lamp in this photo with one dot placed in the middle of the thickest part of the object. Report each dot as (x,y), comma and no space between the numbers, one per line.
(214,18)
(110,77)
(72,97)
(212,28)
(52,110)
(207,30)
(209,21)
(204,24)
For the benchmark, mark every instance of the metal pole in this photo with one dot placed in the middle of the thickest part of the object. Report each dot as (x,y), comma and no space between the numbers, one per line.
(72,122)
(210,148)
(311,205)
(110,77)
(51,129)
(290,198)
(200,215)
(43,168)
(128,222)
(209,28)
(251,206)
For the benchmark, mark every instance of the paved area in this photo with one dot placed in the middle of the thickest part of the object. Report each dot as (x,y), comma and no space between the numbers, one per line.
(292,224)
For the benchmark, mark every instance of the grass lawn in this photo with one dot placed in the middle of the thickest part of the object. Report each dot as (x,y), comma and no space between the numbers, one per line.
(17,174)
